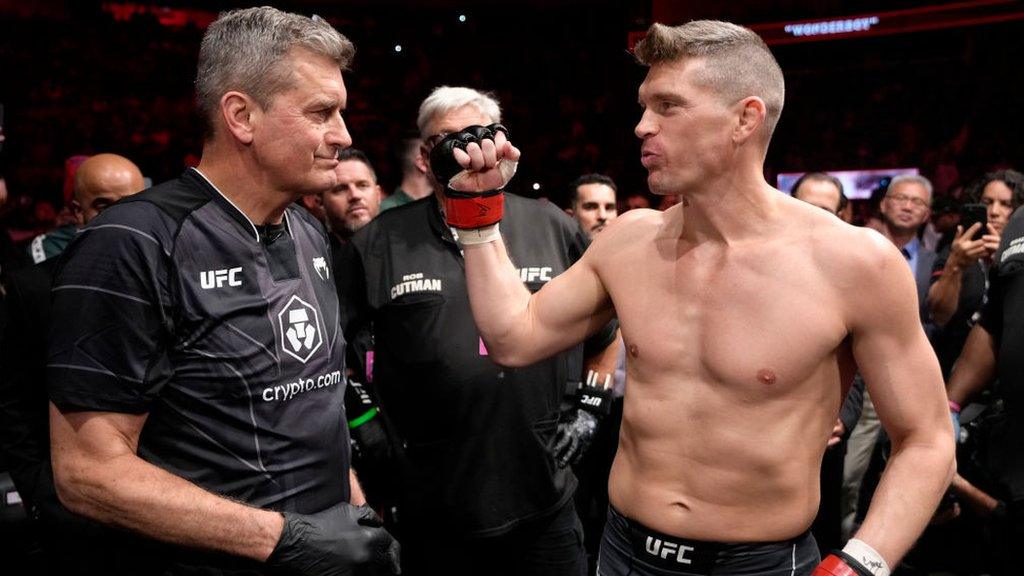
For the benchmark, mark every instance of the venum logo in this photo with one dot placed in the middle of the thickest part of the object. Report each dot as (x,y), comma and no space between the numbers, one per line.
(320,265)
(216,278)
(300,335)
(662,549)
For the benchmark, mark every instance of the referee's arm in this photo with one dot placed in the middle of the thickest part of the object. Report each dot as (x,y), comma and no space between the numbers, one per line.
(99,475)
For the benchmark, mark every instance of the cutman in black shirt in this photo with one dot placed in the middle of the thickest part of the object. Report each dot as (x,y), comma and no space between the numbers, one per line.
(196,365)
(480,490)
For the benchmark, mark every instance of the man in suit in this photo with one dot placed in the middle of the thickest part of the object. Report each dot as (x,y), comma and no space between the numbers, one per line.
(24,432)
(905,207)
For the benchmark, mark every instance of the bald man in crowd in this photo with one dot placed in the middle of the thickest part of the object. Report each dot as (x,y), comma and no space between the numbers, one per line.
(102,180)
(99,181)
(24,431)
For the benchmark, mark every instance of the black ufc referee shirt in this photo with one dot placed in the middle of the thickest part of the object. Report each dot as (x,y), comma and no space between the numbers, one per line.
(170,303)
(477,435)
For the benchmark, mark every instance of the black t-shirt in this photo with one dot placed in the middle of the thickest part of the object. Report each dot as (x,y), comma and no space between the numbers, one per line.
(477,435)
(170,304)
(1003,317)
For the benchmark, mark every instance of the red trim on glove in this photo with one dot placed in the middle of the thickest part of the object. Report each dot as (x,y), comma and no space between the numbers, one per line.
(475,212)
(833,565)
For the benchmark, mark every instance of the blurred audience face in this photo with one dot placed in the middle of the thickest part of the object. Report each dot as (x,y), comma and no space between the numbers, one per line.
(906,207)
(102,180)
(999,199)
(3,191)
(637,201)
(820,193)
(299,134)
(355,201)
(594,207)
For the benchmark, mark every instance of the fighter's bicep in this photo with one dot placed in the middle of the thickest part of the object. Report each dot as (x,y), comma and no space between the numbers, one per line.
(571,306)
(891,350)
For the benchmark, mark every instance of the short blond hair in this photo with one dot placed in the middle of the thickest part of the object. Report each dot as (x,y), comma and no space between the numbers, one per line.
(738,63)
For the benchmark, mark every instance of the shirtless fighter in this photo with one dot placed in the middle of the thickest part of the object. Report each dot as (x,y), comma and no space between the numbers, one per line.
(745,313)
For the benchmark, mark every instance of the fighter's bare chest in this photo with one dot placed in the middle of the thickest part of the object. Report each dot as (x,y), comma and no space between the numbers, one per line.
(730,318)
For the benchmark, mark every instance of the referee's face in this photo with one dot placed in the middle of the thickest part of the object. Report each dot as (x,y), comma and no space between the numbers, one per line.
(298,136)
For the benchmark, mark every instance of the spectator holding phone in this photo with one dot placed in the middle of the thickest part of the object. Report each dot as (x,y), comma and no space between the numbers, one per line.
(960,271)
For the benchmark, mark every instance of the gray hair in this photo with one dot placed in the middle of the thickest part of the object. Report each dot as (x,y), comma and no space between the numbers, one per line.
(447,98)
(738,63)
(912,179)
(246,49)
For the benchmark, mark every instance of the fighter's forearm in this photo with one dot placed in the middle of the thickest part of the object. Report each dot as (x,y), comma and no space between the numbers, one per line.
(916,477)
(499,302)
(944,296)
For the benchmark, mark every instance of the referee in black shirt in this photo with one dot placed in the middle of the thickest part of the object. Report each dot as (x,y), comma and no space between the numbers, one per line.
(196,362)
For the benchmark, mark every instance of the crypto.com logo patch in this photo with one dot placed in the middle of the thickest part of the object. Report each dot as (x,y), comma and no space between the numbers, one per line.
(300,336)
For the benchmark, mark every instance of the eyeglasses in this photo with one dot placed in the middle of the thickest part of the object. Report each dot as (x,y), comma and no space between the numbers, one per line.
(430,141)
(903,199)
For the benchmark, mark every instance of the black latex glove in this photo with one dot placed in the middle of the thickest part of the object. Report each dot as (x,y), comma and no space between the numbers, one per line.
(573,437)
(340,541)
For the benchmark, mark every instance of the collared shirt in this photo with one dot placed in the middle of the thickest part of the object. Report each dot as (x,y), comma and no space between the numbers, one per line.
(170,304)
(910,251)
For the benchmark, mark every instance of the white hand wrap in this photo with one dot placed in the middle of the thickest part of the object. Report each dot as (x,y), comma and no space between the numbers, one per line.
(479,235)
(867,556)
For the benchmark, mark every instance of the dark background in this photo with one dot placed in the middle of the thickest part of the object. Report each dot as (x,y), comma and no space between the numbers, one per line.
(76,80)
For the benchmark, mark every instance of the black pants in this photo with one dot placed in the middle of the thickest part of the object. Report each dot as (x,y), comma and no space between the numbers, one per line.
(552,546)
(630,549)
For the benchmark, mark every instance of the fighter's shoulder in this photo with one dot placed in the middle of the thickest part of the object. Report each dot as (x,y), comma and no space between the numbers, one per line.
(853,255)
(637,222)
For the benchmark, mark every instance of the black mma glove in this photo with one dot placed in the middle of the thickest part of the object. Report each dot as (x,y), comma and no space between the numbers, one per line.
(468,210)
(340,541)
(573,437)
(592,402)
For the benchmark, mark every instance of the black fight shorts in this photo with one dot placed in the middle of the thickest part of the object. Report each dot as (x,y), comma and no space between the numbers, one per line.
(630,549)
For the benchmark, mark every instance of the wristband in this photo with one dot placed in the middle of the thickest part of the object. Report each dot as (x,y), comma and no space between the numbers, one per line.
(867,556)
(954,407)
(479,235)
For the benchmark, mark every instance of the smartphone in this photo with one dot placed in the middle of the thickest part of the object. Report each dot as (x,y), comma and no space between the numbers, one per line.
(971,213)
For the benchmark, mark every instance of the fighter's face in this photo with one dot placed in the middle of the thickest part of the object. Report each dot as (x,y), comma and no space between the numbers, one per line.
(444,124)
(999,199)
(820,193)
(355,200)
(594,207)
(686,128)
(297,137)
(907,206)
